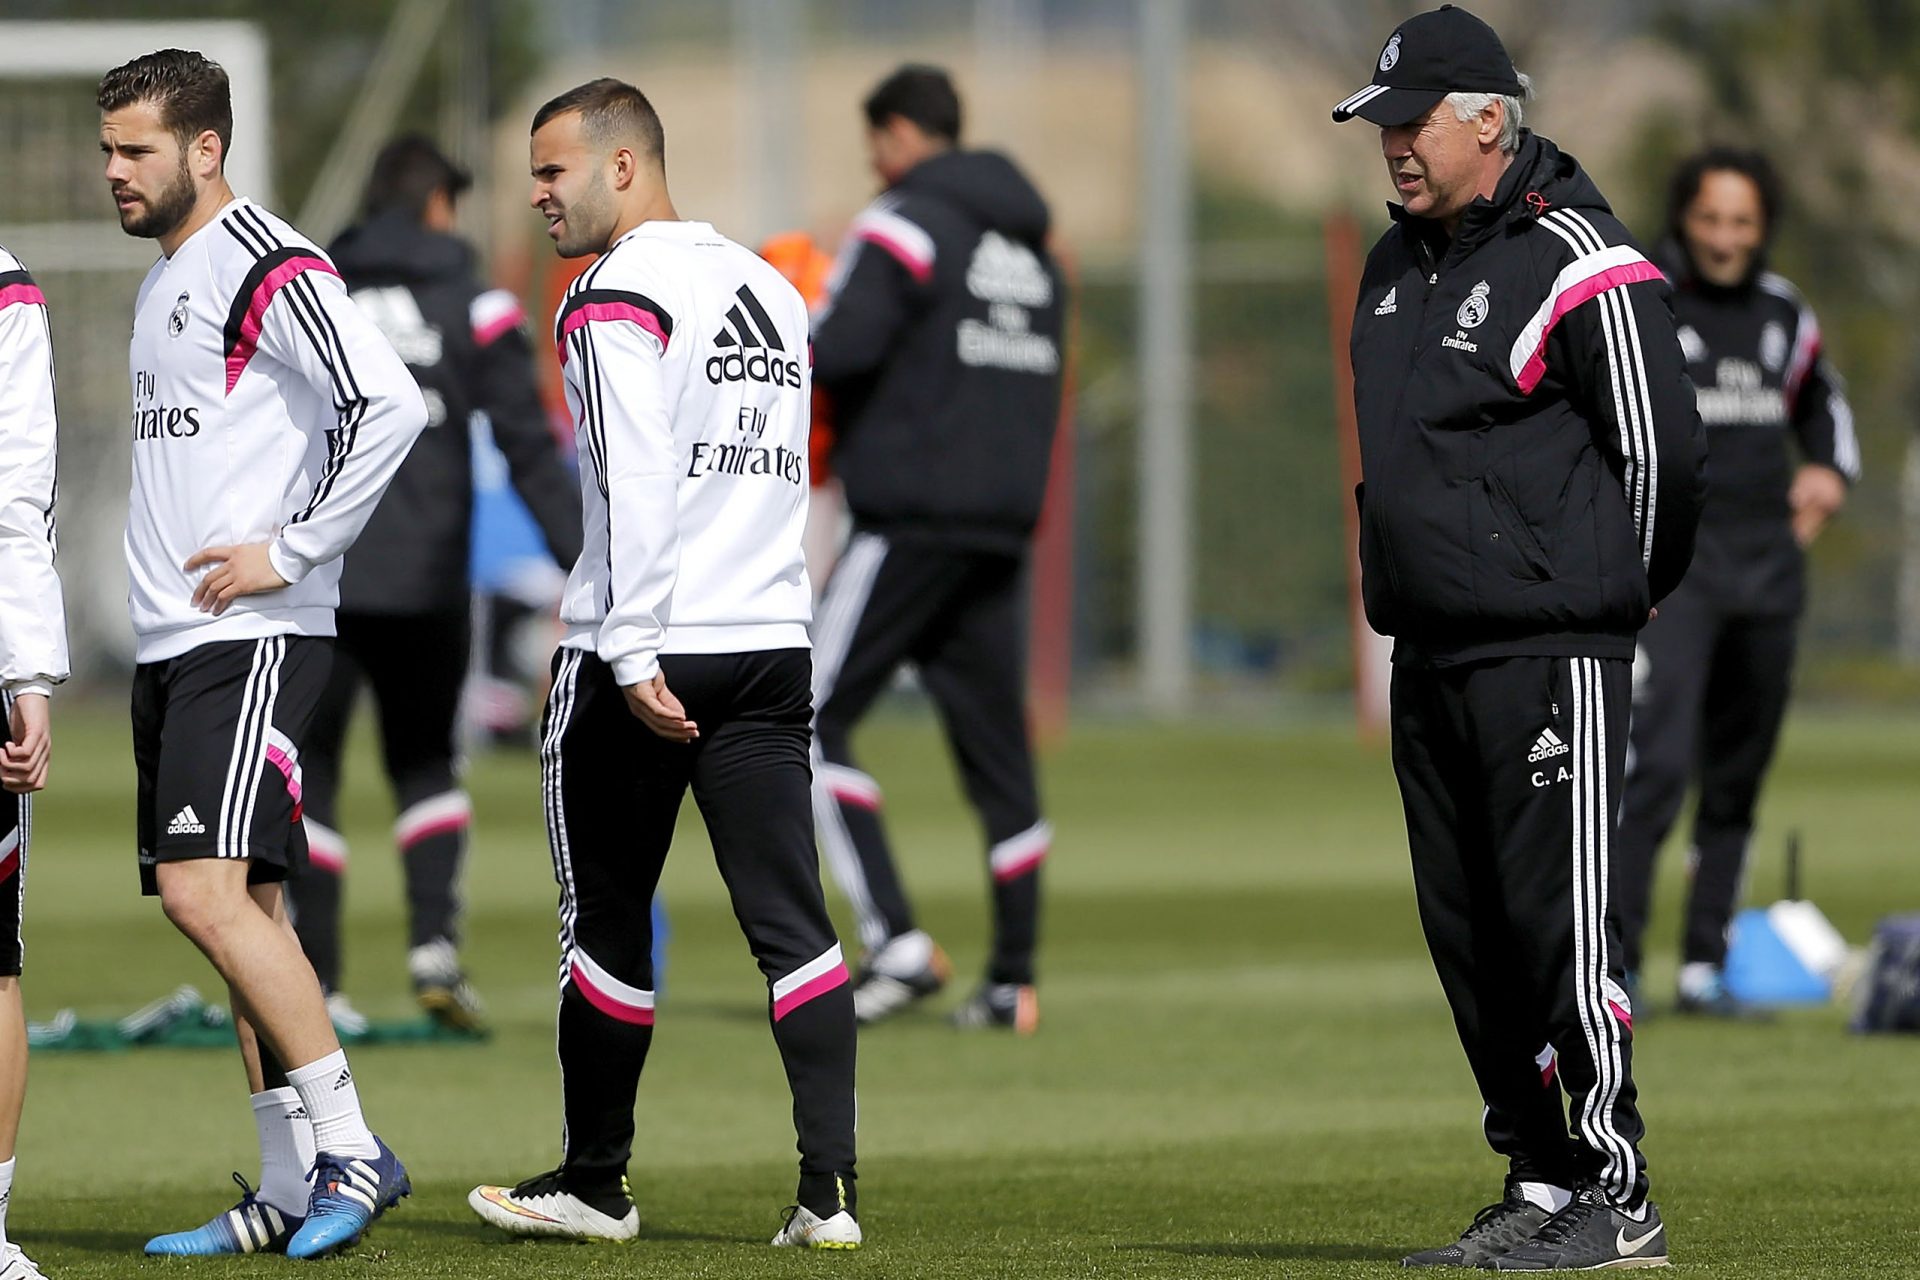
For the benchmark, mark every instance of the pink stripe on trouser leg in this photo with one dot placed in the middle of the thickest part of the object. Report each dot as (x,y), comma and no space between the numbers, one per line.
(607,994)
(835,977)
(810,981)
(1015,857)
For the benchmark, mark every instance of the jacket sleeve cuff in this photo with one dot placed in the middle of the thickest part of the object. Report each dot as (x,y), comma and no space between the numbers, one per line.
(635,668)
(285,562)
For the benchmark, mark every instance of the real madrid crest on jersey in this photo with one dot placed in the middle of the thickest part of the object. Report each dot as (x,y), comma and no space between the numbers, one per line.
(1390,54)
(1773,346)
(1473,312)
(177,322)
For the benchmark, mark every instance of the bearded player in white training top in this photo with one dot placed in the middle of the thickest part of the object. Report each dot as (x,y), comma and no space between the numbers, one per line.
(268,417)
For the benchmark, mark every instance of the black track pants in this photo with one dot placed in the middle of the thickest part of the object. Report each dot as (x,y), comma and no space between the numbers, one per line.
(960,617)
(1710,691)
(416,666)
(612,791)
(1508,770)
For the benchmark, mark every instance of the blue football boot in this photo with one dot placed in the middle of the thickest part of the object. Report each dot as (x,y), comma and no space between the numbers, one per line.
(252,1226)
(349,1192)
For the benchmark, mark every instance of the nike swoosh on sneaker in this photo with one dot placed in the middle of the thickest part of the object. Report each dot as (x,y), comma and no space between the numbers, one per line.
(1628,1246)
(495,1195)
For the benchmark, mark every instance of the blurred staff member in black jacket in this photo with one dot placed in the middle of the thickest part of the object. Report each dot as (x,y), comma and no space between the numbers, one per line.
(940,345)
(404,596)
(1712,673)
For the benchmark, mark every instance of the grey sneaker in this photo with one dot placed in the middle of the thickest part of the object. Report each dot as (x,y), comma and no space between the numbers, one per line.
(1004,1005)
(441,988)
(1591,1234)
(889,983)
(1495,1230)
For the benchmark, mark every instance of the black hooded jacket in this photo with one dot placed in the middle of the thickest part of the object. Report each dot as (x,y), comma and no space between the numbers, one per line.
(1532,455)
(468,349)
(1759,367)
(941,346)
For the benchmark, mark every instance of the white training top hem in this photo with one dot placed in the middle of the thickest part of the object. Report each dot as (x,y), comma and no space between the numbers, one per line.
(256,624)
(735,638)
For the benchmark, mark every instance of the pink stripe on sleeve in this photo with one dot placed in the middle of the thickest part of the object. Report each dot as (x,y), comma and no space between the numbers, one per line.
(921,269)
(1586,290)
(611,311)
(15,294)
(257,309)
(505,322)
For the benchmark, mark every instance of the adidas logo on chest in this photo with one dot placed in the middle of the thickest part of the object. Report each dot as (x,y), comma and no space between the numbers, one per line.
(1390,303)
(749,347)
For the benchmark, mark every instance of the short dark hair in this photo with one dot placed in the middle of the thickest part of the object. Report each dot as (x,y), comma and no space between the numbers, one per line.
(406,175)
(189,89)
(610,111)
(1749,164)
(918,93)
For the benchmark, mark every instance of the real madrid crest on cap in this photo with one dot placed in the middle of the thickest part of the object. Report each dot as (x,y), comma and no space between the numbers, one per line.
(1473,312)
(177,321)
(1428,56)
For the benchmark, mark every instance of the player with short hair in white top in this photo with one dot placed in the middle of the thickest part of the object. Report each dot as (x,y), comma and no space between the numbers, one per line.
(268,417)
(33,658)
(685,662)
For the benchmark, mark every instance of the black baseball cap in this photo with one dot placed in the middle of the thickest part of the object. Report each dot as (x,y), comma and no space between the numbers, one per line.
(1430,55)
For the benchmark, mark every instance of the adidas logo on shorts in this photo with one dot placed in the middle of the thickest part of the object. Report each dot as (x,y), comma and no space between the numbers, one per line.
(186,823)
(1546,746)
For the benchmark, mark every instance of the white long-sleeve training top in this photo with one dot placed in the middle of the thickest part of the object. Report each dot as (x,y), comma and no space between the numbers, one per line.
(688,375)
(266,408)
(33,616)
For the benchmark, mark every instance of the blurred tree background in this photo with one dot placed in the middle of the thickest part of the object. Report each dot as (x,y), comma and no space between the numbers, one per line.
(1827,89)
(320,53)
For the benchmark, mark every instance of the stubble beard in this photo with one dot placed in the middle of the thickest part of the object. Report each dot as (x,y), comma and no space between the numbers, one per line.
(587,221)
(150,221)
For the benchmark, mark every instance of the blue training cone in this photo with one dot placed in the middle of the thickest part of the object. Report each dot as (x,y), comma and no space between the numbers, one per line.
(1769,961)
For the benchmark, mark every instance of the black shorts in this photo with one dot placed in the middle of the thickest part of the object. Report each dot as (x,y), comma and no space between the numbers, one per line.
(216,734)
(16,825)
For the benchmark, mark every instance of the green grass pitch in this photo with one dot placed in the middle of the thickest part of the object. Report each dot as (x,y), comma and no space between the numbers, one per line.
(1244,1068)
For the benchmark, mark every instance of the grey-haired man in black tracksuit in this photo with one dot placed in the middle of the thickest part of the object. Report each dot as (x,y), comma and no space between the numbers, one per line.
(1532,460)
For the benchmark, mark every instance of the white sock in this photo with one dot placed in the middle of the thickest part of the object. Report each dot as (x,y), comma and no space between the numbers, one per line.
(333,1104)
(1697,978)
(286,1149)
(1549,1197)
(6,1194)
